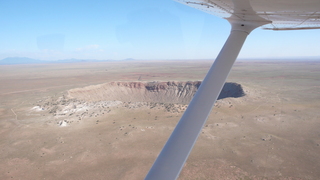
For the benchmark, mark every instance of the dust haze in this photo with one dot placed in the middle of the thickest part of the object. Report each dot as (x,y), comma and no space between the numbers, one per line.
(109,120)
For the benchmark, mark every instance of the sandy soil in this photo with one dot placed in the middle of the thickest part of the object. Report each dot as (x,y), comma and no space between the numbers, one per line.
(270,133)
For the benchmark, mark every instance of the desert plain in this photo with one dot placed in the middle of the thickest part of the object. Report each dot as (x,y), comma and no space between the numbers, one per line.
(109,120)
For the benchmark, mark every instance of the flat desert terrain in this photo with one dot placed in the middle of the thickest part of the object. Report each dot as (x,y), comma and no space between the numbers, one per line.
(109,120)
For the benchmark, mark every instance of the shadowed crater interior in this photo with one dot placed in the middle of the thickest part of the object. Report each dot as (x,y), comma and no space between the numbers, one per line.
(165,92)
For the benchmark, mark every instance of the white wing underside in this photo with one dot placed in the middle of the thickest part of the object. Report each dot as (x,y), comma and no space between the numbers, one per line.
(284,14)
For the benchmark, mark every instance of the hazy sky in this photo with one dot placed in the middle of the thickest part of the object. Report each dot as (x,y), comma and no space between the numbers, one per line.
(143,29)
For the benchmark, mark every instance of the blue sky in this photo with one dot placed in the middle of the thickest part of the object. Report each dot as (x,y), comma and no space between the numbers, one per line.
(144,29)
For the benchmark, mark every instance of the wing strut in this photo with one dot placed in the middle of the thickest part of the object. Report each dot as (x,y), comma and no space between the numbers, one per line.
(177,149)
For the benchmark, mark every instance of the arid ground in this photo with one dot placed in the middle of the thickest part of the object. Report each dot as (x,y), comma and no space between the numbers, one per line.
(109,120)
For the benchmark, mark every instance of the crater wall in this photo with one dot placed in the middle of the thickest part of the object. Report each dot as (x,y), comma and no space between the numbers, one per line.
(165,92)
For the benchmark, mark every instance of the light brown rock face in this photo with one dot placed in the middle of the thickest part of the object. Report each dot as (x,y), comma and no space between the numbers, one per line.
(165,92)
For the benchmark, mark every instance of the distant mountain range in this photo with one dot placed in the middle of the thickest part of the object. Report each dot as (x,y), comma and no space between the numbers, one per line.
(25,60)
(20,60)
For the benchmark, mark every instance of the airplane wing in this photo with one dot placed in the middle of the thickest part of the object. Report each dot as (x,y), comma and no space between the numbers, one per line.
(284,14)
(244,16)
